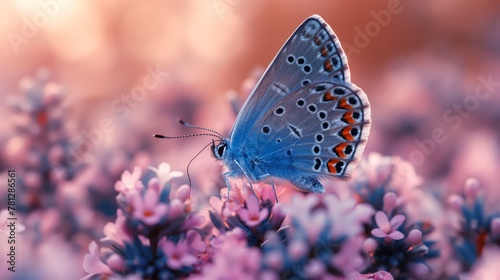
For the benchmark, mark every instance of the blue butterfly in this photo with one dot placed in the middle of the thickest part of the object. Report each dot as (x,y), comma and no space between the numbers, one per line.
(304,120)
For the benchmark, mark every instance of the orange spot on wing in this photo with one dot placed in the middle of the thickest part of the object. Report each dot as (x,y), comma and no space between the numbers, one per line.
(324,51)
(331,165)
(328,65)
(344,105)
(339,150)
(346,133)
(329,97)
(317,41)
(348,118)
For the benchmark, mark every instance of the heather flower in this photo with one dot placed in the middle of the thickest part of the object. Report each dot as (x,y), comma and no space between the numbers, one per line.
(92,263)
(40,150)
(152,236)
(232,258)
(252,215)
(117,231)
(147,208)
(323,240)
(165,173)
(246,212)
(473,227)
(130,181)
(398,248)
(178,255)
(379,275)
(386,228)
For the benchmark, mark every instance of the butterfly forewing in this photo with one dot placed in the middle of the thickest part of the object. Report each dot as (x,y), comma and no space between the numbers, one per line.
(322,129)
(312,53)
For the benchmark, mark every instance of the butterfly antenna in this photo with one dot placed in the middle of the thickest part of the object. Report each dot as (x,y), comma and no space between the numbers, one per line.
(189,164)
(186,136)
(199,127)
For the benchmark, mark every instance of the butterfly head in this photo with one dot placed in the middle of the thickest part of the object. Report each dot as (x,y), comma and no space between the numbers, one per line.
(219,149)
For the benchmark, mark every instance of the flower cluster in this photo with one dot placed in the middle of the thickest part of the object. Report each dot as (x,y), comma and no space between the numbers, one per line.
(369,234)
(39,150)
(397,247)
(473,228)
(393,244)
(156,234)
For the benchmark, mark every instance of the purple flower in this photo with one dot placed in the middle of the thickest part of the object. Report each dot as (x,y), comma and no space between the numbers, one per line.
(130,181)
(165,174)
(253,215)
(178,255)
(232,258)
(388,229)
(148,208)
(92,263)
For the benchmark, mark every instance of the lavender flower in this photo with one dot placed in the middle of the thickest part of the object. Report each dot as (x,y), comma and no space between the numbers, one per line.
(323,240)
(474,228)
(155,235)
(396,247)
(388,229)
(243,210)
(40,148)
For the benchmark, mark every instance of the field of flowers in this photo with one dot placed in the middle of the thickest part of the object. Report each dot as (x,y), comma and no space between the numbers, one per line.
(87,192)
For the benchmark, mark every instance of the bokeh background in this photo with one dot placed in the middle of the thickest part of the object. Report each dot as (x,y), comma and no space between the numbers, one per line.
(85,84)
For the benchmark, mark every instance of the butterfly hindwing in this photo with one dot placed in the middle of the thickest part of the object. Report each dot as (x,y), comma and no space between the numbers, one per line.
(312,53)
(319,130)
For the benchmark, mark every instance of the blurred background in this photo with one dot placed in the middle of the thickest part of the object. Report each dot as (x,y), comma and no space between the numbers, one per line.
(85,84)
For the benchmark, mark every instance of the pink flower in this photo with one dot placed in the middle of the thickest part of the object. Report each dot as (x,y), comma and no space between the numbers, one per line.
(252,215)
(165,173)
(232,258)
(92,263)
(147,208)
(117,231)
(183,193)
(178,255)
(129,181)
(379,275)
(386,228)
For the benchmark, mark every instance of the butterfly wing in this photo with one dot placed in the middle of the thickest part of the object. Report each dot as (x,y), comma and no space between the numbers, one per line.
(312,53)
(316,131)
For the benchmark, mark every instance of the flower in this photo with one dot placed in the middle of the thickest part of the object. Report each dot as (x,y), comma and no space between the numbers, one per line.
(148,208)
(232,259)
(129,181)
(178,255)
(92,263)
(151,237)
(165,173)
(386,228)
(252,215)
(117,231)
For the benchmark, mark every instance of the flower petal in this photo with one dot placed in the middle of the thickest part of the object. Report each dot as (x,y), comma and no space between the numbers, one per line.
(92,262)
(378,233)
(396,235)
(253,204)
(397,221)
(381,219)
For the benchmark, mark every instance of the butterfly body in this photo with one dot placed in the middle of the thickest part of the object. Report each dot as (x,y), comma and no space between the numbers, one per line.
(304,120)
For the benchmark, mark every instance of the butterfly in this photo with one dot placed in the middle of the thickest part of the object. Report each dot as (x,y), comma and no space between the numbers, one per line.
(304,120)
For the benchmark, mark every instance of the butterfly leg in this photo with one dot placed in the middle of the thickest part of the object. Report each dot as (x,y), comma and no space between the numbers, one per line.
(272,184)
(246,176)
(228,185)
